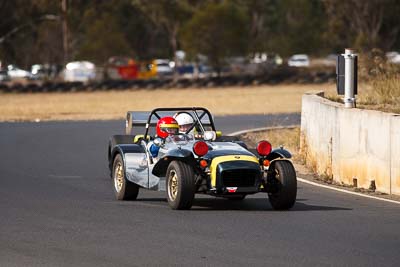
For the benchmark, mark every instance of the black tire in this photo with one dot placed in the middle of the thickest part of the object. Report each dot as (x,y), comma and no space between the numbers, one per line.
(124,189)
(285,196)
(180,185)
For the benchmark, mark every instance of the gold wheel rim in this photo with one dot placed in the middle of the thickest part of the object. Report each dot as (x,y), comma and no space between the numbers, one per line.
(172,185)
(118,177)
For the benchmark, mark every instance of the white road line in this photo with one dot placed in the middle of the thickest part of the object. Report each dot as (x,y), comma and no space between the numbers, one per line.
(263,129)
(345,191)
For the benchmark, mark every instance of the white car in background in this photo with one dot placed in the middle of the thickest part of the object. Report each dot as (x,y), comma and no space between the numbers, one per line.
(79,71)
(393,57)
(164,67)
(299,60)
(17,73)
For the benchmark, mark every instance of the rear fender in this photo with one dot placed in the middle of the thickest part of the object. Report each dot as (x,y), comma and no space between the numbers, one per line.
(123,149)
(117,140)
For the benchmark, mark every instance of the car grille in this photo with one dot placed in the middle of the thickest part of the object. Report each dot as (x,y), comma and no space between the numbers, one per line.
(239,178)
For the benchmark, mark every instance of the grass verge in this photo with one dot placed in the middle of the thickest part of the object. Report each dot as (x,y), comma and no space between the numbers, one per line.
(265,99)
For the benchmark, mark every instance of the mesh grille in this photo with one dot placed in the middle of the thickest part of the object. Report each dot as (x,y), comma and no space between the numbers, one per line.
(239,178)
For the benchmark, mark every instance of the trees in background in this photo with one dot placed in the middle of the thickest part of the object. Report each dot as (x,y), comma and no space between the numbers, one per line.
(32,31)
(169,16)
(217,31)
(363,24)
(29,32)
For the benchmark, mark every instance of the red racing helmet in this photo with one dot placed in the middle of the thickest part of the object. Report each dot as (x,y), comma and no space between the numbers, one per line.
(167,126)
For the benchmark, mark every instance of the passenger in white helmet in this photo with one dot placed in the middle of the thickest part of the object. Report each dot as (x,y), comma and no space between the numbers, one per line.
(185,121)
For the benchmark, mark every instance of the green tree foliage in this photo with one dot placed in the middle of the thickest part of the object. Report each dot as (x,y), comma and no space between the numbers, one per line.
(115,28)
(297,27)
(31,31)
(363,24)
(261,22)
(217,31)
(22,24)
(167,15)
(103,40)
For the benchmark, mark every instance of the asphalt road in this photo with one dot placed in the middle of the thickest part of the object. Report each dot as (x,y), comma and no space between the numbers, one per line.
(57,208)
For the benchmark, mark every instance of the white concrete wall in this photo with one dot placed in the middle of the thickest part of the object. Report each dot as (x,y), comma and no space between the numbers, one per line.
(395,154)
(347,144)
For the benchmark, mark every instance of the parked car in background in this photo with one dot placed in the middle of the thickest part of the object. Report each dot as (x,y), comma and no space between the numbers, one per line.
(45,71)
(122,68)
(299,60)
(4,76)
(38,72)
(393,57)
(163,67)
(16,73)
(147,70)
(79,71)
(330,60)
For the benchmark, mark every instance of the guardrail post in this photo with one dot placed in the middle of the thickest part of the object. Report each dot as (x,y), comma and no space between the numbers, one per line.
(346,79)
(349,78)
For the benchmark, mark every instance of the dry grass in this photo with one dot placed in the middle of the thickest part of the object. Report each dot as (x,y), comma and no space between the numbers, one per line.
(288,138)
(381,78)
(379,86)
(381,94)
(114,104)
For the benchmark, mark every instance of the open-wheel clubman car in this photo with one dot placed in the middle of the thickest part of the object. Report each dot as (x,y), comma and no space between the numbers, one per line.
(200,160)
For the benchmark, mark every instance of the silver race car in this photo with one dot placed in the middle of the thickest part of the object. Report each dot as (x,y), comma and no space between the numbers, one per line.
(199,160)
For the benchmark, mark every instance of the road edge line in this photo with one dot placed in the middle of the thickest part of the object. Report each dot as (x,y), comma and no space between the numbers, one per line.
(345,191)
(263,129)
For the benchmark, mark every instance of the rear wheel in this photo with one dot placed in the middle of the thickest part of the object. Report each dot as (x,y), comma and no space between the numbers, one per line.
(284,175)
(180,185)
(124,189)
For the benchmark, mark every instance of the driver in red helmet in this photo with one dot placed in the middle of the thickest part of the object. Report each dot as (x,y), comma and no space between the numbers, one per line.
(166,126)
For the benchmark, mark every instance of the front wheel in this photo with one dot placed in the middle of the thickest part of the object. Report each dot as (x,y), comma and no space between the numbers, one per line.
(180,185)
(123,188)
(284,175)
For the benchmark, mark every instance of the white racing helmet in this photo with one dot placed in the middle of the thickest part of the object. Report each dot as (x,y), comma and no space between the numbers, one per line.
(185,121)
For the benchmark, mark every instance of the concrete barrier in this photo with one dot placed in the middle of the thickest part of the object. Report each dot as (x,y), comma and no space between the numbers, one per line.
(351,146)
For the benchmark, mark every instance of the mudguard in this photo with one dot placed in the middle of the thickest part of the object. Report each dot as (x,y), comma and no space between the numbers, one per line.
(160,168)
(117,140)
(278,153)
(135,163)
(122,149)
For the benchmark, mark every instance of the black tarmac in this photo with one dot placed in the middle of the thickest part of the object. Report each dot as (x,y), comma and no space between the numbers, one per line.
(57,208)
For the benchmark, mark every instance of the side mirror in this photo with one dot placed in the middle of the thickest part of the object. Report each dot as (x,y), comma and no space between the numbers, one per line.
(158,141)
(210,135)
